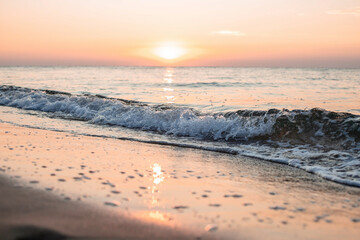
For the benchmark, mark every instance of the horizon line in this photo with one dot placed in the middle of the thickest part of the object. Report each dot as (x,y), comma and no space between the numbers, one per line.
(178,66)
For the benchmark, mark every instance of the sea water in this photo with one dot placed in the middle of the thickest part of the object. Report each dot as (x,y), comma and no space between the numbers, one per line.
(306,118)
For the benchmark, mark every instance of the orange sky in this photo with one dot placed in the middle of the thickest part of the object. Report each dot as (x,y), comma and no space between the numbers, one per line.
(322,33)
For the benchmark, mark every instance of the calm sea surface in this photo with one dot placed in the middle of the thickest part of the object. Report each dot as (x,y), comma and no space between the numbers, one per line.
(212,89)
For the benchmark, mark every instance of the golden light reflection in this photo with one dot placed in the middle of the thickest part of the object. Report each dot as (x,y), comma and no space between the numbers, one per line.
(168,78)
(159,216)
(154,200)
(170,98)
(168,89)
(157,174)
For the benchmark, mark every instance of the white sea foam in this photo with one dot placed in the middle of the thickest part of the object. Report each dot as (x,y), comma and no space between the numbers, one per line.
(174,121)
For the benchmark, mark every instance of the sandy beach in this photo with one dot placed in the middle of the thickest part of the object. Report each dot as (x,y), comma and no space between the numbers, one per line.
(104,188)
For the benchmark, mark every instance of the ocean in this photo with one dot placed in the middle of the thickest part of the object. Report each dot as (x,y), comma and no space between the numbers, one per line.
(306,118)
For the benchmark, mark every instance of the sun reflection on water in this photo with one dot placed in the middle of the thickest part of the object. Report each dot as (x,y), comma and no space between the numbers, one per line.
(168,89)
(157,174)
(158,177)
(168,78)
(159,216)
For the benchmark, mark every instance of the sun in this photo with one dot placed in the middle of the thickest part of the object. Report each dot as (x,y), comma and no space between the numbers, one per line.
(169,51)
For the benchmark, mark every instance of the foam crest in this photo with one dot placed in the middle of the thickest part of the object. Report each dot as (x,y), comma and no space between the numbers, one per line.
(315,126)
(162,119)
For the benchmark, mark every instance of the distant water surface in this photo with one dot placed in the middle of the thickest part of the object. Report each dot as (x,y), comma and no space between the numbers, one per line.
(205,88)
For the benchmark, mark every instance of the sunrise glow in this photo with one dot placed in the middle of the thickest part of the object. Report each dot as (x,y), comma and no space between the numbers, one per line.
(232,33)
(169,51)
(168,119)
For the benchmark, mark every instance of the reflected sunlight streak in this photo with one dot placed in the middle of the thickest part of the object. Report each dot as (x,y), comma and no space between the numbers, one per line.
(157,174)
(159,216)
(168,78)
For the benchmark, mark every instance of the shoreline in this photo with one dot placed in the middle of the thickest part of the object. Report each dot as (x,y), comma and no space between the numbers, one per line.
(163,191)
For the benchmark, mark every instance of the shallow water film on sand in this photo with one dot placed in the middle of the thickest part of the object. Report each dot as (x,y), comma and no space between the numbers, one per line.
(208,193)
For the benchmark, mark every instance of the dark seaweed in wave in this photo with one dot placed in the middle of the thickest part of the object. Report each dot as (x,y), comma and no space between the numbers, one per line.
(334,130)
(314,126)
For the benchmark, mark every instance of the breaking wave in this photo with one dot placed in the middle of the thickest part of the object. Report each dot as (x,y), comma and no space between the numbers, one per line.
(314,126)
(318,141)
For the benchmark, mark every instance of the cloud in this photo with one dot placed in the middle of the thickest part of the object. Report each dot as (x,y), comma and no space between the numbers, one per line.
(355,11)
(229,33)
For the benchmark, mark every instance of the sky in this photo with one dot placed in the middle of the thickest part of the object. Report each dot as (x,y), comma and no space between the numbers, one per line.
(264,33)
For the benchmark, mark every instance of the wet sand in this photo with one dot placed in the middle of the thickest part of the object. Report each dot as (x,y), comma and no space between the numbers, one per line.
(107,188)
(27,213)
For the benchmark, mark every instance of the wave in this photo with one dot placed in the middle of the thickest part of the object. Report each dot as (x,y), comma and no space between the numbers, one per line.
(318,141)
(315,126)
